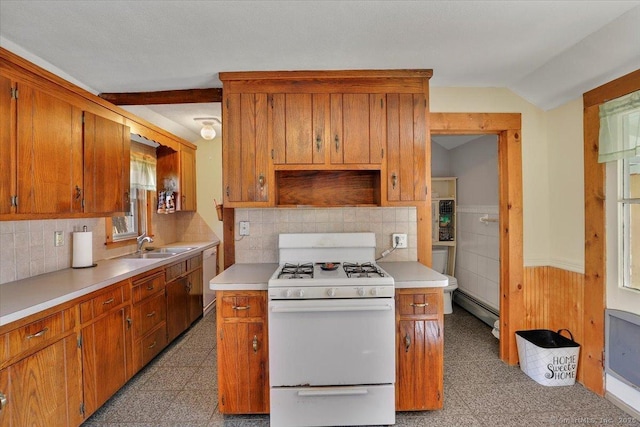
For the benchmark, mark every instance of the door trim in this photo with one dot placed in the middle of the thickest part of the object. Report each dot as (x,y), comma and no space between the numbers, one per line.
(507,126)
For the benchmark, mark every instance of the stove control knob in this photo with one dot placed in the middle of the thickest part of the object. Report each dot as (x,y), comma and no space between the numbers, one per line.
(374,292)
(331,292)
(300,293)
(288,293)
(361,292)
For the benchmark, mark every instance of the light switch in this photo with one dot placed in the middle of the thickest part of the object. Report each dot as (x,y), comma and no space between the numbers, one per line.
(58,238)
(244,228)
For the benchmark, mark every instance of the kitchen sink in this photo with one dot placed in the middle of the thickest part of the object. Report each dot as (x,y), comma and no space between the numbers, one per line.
(149,255)
(173,251)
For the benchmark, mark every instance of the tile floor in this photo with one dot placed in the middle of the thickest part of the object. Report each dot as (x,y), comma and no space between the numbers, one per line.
(179,389)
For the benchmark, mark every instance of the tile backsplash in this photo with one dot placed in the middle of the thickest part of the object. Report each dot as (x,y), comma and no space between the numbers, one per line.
(261,245)
(27,247)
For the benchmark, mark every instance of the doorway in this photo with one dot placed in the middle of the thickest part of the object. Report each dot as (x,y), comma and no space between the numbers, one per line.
(507,127)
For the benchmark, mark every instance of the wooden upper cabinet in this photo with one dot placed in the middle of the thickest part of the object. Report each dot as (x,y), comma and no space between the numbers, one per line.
(407,152)
(49,153)
(187,179)
(106,165)
(7,145)
(247,172)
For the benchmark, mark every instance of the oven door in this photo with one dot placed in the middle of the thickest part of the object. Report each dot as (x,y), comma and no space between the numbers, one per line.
(331,342)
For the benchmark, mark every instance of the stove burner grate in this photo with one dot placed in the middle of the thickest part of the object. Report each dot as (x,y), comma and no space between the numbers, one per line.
(296,271)
(366,269)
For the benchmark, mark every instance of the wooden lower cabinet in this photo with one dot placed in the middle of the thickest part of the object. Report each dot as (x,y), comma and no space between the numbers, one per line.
(242,342)
(40,373)
(184,295)
(149,317)
(106,344)
(419,349)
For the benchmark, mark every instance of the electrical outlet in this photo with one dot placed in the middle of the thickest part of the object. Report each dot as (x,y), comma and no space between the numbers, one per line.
(400,241)
(244,228)
(58,238)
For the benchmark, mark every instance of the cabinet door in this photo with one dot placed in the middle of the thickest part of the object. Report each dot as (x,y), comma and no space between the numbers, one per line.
(298,123)
(242,368)
(177,307)
(406,147)
(44,389)
(106,357)
(245,151)
(49,153)
(419,367)
(106,165)
(195,295)
(187,179)
(7,146)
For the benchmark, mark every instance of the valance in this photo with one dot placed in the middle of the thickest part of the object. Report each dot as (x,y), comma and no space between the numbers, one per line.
(143,171)
(620,128)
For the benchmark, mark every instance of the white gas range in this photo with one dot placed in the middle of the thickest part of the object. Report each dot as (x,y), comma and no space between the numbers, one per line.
(331,333)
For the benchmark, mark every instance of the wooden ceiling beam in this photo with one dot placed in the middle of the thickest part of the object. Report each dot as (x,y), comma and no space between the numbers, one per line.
(186,96)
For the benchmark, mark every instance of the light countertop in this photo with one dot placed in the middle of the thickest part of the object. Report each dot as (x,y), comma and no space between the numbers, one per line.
(25,297)
(254,277)
(244,277)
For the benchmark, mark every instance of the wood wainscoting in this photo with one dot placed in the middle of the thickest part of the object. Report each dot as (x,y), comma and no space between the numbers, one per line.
(554,299)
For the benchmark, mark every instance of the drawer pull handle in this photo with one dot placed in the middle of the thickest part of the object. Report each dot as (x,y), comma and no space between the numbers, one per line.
(394,180)
(255,343)
(419,305)
(241,307)
(407,343)
(38,334)
(109,301)
(153,313)
(152,345)
(150,287)
(3,401)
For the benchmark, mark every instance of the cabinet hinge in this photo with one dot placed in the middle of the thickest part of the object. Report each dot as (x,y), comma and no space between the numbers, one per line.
(272,153)
(82,409)
(227,103)
(221,335)
(426,189)
(425,102)
(382,153)
(14,93)
(80,341)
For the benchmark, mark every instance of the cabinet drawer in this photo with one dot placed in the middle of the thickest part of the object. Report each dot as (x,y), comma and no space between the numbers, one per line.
(152,344)
(242,306)
(148,314)
(103,303)
(36,333)
(418,303)
(175,270)
(194,262)
(148,286)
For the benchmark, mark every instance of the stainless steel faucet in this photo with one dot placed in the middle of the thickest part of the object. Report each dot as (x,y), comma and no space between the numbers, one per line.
(141,240)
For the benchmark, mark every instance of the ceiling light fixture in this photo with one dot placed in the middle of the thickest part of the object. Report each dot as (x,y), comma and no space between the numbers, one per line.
(207,131)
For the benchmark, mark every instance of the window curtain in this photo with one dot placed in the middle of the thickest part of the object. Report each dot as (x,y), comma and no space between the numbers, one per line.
(143,171)
(620,128)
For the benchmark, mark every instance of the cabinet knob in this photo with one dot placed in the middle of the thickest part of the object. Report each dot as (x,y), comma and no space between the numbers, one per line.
(3,401)
(255,343)
(337,141)
(261,181)
(407,342)
(129,322)
(318,141)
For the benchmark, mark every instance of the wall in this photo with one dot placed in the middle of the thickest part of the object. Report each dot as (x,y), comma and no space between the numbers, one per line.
(566,186)
(265,225)
(27,249)
(478,244)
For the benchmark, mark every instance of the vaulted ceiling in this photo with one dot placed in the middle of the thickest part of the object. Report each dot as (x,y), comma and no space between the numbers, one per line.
(548,52)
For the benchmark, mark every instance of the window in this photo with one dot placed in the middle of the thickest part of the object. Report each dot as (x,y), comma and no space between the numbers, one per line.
(123,229)
(629,224)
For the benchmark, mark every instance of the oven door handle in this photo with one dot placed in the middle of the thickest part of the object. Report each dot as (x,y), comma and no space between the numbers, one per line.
(333,392)
(325,309)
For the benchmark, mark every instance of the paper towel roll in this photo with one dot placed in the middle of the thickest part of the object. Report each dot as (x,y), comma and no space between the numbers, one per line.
(82,249)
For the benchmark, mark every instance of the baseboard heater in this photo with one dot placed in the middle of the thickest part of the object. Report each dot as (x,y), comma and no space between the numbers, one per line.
(479,309)
(622,346)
